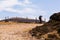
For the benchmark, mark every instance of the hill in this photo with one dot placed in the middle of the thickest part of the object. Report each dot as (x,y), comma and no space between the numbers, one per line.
(23,20)
(50,30)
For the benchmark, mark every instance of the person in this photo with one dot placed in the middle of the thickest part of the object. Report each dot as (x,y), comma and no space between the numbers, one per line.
(40,19)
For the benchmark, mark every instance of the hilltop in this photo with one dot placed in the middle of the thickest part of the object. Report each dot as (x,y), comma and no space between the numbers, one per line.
(21,20)
(50,30)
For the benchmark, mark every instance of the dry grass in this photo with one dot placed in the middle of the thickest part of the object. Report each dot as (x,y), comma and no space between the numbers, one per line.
(16,31)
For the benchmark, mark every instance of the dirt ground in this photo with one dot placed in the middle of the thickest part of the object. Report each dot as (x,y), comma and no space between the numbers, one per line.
(16,31)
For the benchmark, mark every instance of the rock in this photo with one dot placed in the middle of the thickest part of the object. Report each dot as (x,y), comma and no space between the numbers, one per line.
(51,25)
(55,16)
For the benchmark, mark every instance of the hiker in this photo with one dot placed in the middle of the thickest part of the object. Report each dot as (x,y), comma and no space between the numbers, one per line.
(40,19)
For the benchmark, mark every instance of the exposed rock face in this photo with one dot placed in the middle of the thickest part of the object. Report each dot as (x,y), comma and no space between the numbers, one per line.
(50,26)
(55,16)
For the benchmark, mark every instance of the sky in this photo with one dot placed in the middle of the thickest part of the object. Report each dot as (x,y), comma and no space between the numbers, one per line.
(29,8)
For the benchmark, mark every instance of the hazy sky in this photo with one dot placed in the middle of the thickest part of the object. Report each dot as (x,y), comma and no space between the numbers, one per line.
(28,8)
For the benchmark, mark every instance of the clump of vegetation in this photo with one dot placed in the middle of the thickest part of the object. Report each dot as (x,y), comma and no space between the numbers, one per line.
(51,25)
(52,37)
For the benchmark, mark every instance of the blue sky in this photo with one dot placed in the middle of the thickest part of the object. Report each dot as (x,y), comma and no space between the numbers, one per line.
(28,8)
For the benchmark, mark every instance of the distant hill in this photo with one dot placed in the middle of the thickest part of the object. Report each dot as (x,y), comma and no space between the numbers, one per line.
(23,20)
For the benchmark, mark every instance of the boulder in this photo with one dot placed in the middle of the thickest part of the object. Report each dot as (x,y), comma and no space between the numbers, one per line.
(55,16)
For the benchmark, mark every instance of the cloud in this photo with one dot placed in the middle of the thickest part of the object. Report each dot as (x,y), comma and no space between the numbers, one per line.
(9,3)
(7,6)
(23,11)
(29,7)
(27,2)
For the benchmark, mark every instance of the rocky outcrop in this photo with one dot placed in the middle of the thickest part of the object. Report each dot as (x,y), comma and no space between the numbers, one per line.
(55,16)
(50,26)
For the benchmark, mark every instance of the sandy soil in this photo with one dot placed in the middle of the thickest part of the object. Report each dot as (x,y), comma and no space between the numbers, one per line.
(18,31)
